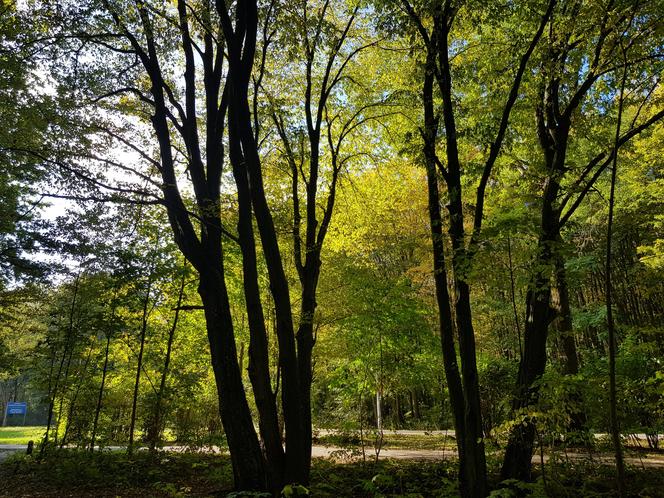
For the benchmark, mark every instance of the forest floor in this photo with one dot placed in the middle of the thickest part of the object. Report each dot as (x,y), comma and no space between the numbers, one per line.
(410,463)
(71,473)
(344,447)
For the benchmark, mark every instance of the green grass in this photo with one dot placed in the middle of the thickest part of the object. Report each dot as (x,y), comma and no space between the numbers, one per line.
(391,440)
(21,435)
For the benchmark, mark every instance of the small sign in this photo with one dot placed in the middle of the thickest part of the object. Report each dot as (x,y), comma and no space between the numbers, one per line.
(17,408)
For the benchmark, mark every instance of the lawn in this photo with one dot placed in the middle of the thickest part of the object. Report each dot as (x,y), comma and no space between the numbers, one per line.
(391,440)
(21,435)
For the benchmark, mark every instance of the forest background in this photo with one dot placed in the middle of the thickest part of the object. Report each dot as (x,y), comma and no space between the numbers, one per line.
(236,223)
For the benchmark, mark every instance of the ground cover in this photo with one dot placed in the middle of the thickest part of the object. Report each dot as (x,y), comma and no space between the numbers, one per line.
(191,474)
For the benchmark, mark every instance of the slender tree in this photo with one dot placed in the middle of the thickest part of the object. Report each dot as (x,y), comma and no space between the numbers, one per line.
(558,107)
(145,316)
(613,402)
(327,45)
(155,428)
(456,314)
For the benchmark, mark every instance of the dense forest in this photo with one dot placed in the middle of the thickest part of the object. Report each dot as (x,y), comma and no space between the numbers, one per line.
(262,227)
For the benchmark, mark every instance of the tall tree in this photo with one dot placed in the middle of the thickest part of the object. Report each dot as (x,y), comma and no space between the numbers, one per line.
(177,77)
(434,25)
(317,88)
(566,83)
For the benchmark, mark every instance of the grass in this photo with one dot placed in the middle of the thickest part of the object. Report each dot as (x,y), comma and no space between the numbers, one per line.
(391,440)
(21,435)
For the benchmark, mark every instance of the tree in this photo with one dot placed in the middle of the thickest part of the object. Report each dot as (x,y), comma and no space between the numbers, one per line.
(566,84)
(329,103)
(456,313)
(182,128)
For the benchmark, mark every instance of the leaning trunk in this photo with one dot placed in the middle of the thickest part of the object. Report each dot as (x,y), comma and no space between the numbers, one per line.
(246,456)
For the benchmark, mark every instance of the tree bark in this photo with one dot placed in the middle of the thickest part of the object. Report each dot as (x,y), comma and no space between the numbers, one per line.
(246,456)
(564,318)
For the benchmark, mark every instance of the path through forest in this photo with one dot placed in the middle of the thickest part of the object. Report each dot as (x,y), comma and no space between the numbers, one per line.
(642,459)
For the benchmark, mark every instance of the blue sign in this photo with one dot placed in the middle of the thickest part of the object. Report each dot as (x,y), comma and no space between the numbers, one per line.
(17,408)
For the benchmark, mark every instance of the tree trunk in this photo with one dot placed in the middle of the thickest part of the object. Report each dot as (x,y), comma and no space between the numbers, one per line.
(101,393)
(246,456)
(156,429)
(259,369)
(245,158)
(564,319)
(476,467)
(415,401)
(139,365)
(72,402)
(539,314)
(305,345)
(613,408)
(451,368)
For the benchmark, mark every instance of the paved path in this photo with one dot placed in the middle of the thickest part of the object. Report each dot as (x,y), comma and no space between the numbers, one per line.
(653,460)
(644,460)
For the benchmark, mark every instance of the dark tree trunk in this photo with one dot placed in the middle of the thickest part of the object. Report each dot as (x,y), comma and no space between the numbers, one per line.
(246,456)
(305,345)
(155,430)
(139,364)
(259,369)
(564,318)
(246,162)
(450,366)
(613,408)
(101,393)
(539,313)
(476,476)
